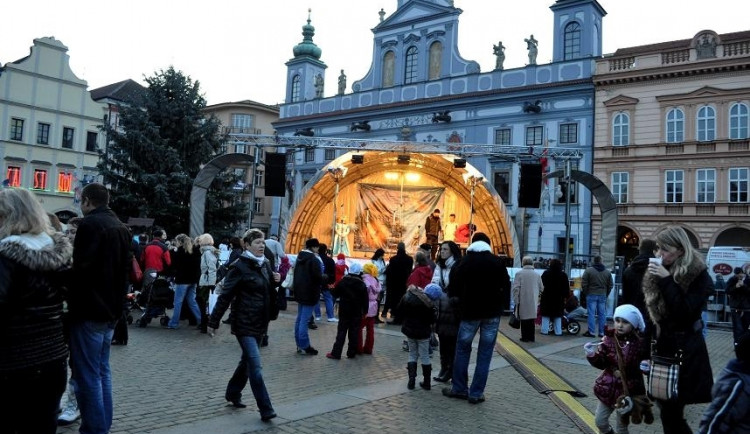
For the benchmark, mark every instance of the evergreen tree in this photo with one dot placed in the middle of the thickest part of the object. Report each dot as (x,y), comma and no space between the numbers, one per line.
(156,151)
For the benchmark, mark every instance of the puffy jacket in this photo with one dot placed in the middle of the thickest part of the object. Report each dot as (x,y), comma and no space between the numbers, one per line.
(447,318)
(728,411)
(479,281)
(308,276)
(31,299)
(373,289)
(209,264)
(596,280)
(352,293)
(420,277)
(418,313)
(608,387)
(247,287)
(156,256)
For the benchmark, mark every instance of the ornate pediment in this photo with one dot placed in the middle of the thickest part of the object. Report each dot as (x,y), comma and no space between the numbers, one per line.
(621,100)
(416,10)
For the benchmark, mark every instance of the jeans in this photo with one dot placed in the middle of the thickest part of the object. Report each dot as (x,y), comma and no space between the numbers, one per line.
(250,369)
(487,336)
(181,291)
(301,335)
(596,305)
(419,350)
(557,321)
(89,357)
(30,398)
(328,299)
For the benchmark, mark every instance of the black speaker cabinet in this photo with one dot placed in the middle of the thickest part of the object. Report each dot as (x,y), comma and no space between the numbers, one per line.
(530,190)
(275,174)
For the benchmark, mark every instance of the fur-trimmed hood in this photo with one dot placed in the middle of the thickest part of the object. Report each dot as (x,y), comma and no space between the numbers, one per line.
(40,252)
(655,303)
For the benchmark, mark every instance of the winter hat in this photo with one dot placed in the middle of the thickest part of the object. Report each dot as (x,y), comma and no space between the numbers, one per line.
(355,268)
(433,291)
(370,269)
(341,256)
(737,270)
(631,314)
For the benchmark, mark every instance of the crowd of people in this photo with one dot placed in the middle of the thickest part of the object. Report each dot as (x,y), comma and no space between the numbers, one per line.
(62,302)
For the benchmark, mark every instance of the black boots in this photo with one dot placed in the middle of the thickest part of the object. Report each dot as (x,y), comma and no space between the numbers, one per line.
(446,373)
(412,368)
(426,372)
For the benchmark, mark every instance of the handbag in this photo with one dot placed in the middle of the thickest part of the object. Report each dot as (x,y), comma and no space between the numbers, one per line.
(664,377)
(136,275)
(514,321)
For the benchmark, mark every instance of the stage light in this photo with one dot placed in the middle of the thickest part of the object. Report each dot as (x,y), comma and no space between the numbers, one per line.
(358,159)
(459,163)
(404,159)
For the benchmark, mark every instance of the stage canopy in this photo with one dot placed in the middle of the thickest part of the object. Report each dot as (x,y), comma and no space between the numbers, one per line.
(384,201)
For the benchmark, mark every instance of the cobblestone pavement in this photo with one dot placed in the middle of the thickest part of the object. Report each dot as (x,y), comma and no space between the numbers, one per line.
(172,382)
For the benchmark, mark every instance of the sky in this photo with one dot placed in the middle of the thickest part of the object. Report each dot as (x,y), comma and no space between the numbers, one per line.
(237,49)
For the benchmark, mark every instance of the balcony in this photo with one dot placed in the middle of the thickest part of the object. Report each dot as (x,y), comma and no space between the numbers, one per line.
(240,130)
(738,209)
(673,210)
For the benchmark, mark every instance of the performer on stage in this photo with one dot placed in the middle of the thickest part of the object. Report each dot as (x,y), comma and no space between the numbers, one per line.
(449,231)
(432,230)
(341,241)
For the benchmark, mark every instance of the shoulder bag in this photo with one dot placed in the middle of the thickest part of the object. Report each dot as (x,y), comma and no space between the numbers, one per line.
(664,376)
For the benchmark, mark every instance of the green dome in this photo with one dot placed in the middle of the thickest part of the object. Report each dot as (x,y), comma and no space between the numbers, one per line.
(307,47)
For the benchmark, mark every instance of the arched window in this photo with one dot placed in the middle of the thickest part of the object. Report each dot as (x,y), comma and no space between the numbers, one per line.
(572,41)
(410,71)
(738,121)
(436,58)
(706,128)
(389,66)
(675,126)
(621,129)
(295,88)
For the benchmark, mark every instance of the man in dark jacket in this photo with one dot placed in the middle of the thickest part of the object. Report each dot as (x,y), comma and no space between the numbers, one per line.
(353,305)
(396,274)
(596,283)
(479,282)
(738,290)
(308,276)
(101,261)
(632,282)
(432,230)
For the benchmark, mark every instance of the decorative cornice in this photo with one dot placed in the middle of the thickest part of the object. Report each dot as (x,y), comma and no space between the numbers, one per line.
(671,72)
(621,100)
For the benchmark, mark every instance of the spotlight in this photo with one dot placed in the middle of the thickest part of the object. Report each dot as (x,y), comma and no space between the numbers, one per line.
(404,159)
(358,159)
(459,163)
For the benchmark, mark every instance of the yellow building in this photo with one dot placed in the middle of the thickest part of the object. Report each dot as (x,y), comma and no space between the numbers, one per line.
(49,127)
(672,124)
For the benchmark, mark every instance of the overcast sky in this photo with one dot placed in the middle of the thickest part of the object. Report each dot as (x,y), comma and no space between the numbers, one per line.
(237,48)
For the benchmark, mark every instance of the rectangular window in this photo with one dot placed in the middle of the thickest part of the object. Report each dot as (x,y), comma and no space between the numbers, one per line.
(534,136)
(67,138)
(91,141)
(40,179)
(240,148)
(258,205)
(330,154)
(42,134)
(674,186)
(242,122)
(502,185)
(16,129)
(563,191)
(309,155)
(502,136)
(258,177)
(738,184)
(13,176)
(705,185)
(568,134)
(620,186)
(65,182)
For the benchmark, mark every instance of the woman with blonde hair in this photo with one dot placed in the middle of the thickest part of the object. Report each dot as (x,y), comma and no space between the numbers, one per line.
(208,265)
(675,290)
(370,277)
(33,353)
(186,268)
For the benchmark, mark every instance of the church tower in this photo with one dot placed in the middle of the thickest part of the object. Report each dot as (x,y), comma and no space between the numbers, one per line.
(305,77)
(578,29)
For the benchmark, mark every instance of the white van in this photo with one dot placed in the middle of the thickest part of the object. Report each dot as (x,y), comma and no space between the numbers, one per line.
(723,260)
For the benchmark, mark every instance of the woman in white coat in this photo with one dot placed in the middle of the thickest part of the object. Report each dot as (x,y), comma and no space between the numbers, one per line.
(207,281)
(527,285)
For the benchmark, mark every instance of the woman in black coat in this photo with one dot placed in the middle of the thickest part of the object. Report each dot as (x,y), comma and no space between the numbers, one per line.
(552,303)
(249,287)
(675,292)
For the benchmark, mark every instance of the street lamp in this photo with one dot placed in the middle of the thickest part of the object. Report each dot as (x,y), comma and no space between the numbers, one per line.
(336,173)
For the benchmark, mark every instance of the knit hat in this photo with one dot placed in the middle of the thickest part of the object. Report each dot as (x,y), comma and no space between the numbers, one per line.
(433,291)
(631,314)
(737,270)
(370,269)
(355,268)
(341,256)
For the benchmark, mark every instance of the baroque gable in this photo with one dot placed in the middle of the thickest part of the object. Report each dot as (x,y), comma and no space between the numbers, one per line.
(416,10)
(620,101)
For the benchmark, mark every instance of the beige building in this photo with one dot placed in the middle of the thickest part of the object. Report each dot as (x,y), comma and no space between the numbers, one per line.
(672,124)
(250,117)
(49,127)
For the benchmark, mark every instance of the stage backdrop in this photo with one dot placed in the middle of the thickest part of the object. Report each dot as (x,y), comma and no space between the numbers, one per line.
(387,215)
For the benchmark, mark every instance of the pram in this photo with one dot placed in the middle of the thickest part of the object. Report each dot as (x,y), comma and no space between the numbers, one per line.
(156,297)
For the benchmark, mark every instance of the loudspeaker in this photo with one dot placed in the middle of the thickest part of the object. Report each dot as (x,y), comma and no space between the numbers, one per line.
(530,190)
(275,174)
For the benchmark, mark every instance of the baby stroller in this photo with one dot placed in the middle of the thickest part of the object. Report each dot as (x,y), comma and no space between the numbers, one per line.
(157,296)
(570,323)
